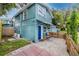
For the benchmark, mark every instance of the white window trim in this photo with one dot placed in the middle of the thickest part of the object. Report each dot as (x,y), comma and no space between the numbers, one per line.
(26,13)
(23,16)
(41,11)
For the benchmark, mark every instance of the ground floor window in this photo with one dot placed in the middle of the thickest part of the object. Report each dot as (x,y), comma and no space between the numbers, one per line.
(44,29)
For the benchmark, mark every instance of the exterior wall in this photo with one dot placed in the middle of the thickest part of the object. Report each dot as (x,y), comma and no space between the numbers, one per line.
(17,24)
(53,28)
(43,17)
(42,20)
(31,12)
(28,27)
(28,30)
(44,29)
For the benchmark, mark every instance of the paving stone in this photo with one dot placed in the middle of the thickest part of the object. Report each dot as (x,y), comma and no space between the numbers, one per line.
(45,53)
(50,47)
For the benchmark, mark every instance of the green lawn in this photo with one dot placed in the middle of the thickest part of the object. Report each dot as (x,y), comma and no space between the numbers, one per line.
(12,45)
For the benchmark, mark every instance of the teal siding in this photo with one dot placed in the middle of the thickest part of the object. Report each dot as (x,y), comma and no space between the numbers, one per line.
(43,30)
(21,16)
(46,19)
(31,12)
(28,28)
(17,21)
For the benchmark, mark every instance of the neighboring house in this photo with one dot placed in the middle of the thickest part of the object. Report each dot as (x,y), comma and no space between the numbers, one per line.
(7,22)
(54,29)
(33,20)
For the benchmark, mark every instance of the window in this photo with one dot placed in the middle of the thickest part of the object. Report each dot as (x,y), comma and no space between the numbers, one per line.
(41,11)
(21,16)
(44,29)
(24,15)
(17,24)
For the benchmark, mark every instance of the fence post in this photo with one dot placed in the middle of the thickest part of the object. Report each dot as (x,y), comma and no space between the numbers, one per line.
(0,30)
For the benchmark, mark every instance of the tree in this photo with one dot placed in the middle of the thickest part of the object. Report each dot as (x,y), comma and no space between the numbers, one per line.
(4,7)
(67,20)
(74,26)
(68,24)
(58,19)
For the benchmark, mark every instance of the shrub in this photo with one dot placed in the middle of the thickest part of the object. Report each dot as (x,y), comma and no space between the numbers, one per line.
(74,26)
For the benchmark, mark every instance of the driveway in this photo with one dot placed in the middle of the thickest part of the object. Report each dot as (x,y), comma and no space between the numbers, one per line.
(50,47)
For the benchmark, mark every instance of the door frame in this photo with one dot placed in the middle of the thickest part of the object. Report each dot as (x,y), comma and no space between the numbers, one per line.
(39,32)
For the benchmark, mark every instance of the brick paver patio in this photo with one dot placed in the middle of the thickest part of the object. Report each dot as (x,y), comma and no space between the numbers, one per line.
(51,47)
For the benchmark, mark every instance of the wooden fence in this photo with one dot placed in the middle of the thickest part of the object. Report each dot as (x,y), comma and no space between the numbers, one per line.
(72,48)
(5,31)
(56,34)
(8,31)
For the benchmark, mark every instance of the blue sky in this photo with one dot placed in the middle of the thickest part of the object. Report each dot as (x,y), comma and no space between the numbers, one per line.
(60,5)
(12,12)
(52,5)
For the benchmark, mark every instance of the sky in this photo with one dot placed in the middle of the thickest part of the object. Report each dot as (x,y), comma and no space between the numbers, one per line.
(10,14)
(52,5)
(60,5)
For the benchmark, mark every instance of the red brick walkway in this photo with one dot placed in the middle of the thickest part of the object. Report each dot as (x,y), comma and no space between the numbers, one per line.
(31,50)
(51,47)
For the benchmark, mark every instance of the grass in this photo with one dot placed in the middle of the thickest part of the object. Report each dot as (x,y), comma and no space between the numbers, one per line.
(9,46)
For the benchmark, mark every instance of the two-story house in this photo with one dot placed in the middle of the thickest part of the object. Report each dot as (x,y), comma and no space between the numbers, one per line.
(33,21)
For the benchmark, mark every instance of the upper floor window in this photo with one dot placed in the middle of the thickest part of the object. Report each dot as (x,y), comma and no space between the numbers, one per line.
(41,11)
(24,15)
